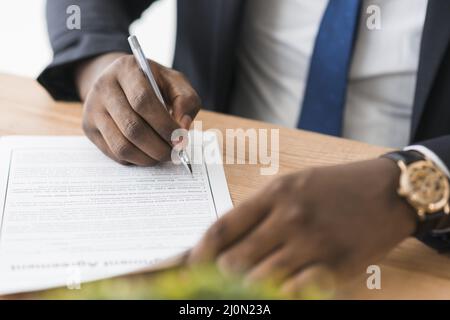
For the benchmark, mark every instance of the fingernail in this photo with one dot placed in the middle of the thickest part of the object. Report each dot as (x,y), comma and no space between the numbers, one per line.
(186,121)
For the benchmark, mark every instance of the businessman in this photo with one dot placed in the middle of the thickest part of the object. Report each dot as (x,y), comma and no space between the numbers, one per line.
(311,64)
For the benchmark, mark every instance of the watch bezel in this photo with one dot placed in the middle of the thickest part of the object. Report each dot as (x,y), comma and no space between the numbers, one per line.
(405,189)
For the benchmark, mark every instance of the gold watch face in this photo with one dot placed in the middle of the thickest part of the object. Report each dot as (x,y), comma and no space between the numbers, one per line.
(425,187)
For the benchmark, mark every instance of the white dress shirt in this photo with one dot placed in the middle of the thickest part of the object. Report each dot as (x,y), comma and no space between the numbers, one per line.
(276,45)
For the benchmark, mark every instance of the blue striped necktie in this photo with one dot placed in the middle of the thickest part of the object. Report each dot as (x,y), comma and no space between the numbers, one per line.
(326,89)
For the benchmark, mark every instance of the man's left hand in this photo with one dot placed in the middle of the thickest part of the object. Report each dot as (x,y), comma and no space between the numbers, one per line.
(340,219)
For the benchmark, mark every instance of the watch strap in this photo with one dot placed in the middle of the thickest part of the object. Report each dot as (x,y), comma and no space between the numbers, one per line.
(407,157)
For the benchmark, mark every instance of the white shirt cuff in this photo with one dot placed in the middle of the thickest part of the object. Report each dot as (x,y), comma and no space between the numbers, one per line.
(430,155)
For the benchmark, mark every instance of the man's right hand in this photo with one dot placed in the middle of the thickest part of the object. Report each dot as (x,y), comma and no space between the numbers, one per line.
(122,114)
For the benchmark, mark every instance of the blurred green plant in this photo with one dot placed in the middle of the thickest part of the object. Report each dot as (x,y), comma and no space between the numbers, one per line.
(201,283)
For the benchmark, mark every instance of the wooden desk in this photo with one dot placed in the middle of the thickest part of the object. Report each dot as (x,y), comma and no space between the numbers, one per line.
(411,271)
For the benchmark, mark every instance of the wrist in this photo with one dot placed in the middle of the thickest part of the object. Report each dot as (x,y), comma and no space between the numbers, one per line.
(88,71)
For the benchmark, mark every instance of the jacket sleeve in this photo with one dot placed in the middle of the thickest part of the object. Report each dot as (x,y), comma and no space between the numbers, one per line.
(441,147)
(103,28)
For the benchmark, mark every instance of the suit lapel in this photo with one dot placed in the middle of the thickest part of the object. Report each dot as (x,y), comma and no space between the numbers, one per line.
(435,41)
(226,15)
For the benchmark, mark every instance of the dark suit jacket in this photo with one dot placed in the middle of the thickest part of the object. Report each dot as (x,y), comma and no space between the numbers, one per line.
(207,34)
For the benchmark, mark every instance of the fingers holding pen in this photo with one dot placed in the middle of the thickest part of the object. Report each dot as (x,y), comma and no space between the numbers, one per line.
(124,118)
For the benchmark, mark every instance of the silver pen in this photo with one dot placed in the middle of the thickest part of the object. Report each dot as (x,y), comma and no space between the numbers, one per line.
(145,67)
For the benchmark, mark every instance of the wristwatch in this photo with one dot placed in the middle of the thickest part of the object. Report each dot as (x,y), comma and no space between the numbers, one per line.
(424,186)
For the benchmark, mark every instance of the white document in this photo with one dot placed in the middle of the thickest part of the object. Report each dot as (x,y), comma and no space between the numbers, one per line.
(69,214)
